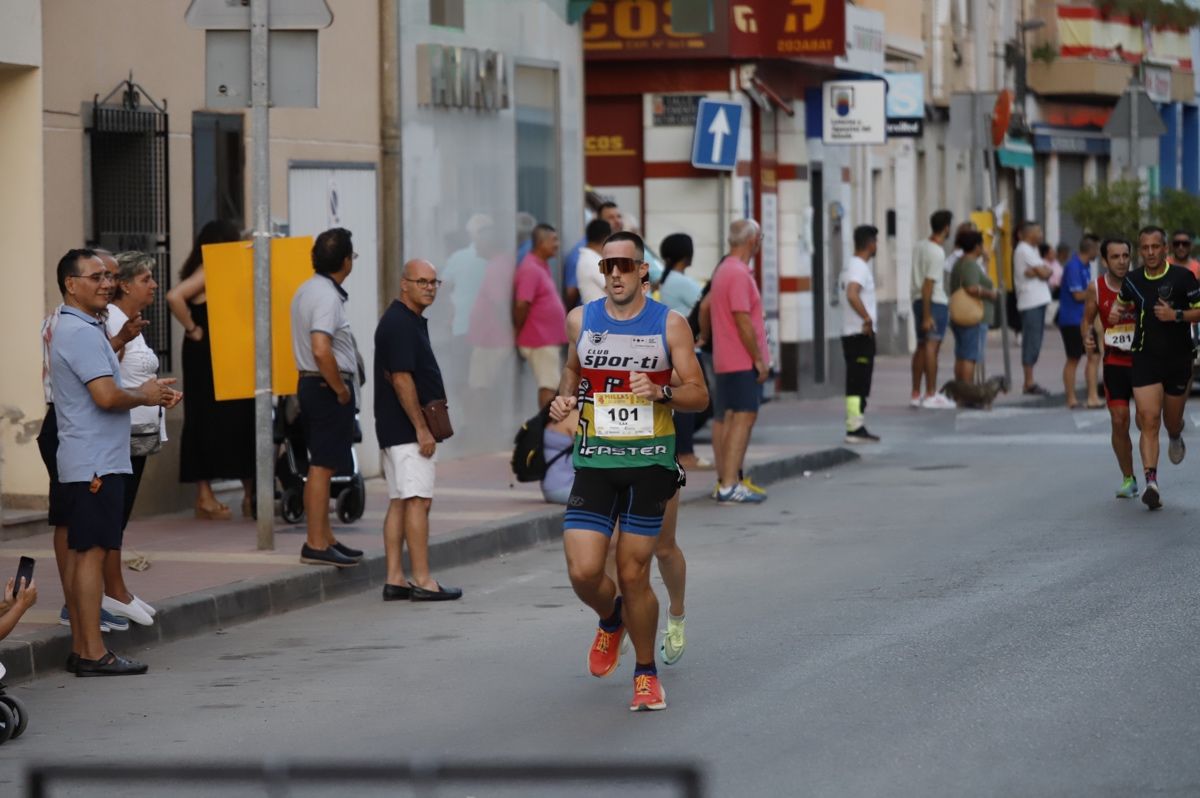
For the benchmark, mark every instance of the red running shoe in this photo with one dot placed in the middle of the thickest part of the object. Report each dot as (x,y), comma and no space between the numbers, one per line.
(605,653)
(648,693)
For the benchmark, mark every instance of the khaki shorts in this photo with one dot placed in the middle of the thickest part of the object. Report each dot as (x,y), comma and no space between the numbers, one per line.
(408,474)
(546,362)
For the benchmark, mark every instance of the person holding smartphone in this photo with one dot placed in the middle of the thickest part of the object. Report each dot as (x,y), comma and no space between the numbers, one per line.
(18,598)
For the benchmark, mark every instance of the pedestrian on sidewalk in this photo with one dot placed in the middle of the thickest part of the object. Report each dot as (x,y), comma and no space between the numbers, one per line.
(538,314)
(859,314)
(1072,295)
(1181,252)
(217,441)
(588,279)
(739,358)
(610,214)
(134,292)
(92,409)
(327,359)
(931,311)
(408,379)
(1031,277)
(970,274)
(680,293)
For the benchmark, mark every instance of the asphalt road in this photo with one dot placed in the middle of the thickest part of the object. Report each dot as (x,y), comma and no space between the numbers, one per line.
(967,611)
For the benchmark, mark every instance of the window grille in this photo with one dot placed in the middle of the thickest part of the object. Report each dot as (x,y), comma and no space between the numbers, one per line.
(130,191)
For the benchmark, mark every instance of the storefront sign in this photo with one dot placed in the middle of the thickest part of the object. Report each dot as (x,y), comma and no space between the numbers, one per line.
(905,104)
(853,112)
(1069,142)
(864,42)
(461,77)
(641,29)
(1157,80)
(612,144)
(676,110)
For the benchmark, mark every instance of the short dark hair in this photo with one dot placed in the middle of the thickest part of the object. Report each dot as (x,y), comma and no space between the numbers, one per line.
(1087,241)
(1024,226)
(967,240)
(675,248)
(331,249)
(1153,228)
(597,231)
(68,266)
(941,220)
(625,235)
(1043,249)
(605,206)
(1108,242)
(540,231)
(864,234)
(1182,233)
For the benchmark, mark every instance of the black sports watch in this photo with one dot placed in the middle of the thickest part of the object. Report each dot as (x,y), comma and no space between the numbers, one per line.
(667,394)
(1179,315)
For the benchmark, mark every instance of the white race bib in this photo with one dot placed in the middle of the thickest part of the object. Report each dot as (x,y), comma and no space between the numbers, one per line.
(623,415)
(1119,337)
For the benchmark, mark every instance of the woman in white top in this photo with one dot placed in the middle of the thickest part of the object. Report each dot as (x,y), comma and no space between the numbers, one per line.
(133,293)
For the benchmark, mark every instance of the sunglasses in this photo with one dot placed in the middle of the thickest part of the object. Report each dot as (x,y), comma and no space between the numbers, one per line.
(1182,242)
(623,265)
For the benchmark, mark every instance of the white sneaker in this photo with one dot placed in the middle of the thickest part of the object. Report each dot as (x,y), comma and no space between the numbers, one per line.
(939,401)
(131,611)
(1176,450)
(145,607)
(915,402)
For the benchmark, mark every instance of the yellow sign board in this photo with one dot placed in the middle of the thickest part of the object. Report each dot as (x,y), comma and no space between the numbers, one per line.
(983,221)
(229,285)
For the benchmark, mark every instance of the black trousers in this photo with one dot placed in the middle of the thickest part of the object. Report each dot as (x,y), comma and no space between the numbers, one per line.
(859,352)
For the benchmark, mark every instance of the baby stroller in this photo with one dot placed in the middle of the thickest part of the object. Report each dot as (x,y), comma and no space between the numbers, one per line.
(347,490)
(13,717)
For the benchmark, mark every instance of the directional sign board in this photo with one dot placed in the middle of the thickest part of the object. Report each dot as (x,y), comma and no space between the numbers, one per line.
(715,143)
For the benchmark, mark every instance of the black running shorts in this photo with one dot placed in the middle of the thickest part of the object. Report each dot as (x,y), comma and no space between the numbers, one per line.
(1118,384)
(1173,371)
(637,497)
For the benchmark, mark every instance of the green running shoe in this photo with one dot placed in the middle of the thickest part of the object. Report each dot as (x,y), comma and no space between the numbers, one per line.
(673,641)
(1128,489)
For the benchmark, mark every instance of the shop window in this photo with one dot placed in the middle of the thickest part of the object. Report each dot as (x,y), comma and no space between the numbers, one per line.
(447,13)
(130,191)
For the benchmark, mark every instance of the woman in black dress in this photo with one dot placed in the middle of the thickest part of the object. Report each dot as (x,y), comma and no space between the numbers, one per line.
(218,437)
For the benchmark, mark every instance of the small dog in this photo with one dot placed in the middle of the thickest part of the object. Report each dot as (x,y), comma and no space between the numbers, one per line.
(973,395)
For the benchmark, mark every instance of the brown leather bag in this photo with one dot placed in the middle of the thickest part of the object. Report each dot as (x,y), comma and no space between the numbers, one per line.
(437,418)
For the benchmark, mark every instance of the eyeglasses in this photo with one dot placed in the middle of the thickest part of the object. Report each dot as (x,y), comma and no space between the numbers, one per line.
(98,277)
(423,283)
(623,265)
(1181,242)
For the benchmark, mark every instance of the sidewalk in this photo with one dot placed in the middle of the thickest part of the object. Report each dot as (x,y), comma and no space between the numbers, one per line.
(205,575)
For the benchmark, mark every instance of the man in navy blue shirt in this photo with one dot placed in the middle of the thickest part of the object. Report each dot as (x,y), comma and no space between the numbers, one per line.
(1077,274)
(407,378)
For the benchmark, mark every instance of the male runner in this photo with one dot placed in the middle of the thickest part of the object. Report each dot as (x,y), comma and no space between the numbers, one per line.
(1118,361)
(618,373)
(1165,299)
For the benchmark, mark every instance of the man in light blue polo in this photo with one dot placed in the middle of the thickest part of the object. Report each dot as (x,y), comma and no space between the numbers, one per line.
(92,409)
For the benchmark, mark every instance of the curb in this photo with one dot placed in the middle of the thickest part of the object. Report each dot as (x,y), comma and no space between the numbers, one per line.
(45,651)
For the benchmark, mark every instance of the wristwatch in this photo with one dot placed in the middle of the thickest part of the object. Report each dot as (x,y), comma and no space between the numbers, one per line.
(1179,315)
(667,394)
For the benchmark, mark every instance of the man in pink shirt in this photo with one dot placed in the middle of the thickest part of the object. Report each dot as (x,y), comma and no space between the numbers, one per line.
(538,313)
(739,360)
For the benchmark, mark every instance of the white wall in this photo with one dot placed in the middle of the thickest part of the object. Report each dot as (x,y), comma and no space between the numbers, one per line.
(21,32)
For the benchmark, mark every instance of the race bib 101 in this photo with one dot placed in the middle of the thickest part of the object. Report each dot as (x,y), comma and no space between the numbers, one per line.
(622,415)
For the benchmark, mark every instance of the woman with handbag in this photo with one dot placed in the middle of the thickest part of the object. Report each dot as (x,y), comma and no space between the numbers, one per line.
(972,304)
(134,292)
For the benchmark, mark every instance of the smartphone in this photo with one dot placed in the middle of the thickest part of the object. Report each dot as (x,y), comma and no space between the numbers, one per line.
(24,571)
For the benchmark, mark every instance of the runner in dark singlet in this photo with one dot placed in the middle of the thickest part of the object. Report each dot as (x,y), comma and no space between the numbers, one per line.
(1118,360)
(1165,300)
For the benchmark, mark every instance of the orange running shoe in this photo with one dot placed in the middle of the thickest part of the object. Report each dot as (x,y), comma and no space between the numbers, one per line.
(605,653)
(648,693)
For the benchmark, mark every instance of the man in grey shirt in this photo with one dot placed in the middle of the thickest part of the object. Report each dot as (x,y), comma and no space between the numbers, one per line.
(327,359)
(92,408)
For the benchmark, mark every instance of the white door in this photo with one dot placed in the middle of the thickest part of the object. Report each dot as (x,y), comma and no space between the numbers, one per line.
(343,195)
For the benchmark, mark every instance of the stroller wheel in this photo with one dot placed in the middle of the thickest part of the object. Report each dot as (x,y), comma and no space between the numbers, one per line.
(352,501)
(292,506)
(8,723)
(20,716)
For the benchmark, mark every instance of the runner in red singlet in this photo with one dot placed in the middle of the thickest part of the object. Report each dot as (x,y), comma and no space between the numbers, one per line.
(1118,360)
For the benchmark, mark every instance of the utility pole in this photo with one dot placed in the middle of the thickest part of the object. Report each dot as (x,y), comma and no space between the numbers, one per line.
(264,442)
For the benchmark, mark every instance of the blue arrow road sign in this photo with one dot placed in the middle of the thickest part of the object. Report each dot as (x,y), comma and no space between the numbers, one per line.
(716,138)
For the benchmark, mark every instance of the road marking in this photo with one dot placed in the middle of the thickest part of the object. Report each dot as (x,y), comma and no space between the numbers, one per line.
(1028,439)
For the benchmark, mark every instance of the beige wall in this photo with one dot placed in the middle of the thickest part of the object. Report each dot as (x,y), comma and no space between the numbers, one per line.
(21,402)
(88,51)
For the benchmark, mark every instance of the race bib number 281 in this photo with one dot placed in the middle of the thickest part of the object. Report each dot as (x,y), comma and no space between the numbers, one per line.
(623,415)
(1119,337)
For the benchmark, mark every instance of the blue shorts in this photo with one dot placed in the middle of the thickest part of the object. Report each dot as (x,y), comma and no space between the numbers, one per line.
(738,392)
(969,341)
(1033,327)
(941,317)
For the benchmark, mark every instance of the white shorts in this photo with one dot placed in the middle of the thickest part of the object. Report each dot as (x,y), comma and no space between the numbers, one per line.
(408,474)
(546,362)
